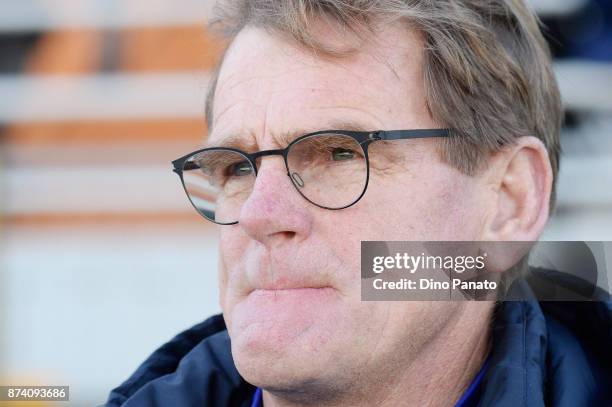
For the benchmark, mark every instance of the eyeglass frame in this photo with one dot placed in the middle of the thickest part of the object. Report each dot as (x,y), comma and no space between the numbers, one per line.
(363,138)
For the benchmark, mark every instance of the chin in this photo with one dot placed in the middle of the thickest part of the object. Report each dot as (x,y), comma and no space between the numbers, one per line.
(283,349)
(277,322)
(292,377)
(282,336)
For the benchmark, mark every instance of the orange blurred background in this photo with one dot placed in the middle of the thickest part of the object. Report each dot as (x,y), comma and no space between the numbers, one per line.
(103,258)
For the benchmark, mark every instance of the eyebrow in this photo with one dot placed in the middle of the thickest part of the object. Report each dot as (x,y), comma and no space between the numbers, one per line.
(248,144)
(233,141)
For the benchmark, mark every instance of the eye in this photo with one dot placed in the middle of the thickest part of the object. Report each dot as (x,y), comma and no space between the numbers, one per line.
(342,154)
(239,169)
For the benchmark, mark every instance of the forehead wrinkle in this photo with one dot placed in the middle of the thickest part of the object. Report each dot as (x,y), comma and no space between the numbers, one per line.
(225,109)
(226,82)
(372,123)
(244,141)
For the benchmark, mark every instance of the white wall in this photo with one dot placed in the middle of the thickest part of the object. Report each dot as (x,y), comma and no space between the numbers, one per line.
(85,306)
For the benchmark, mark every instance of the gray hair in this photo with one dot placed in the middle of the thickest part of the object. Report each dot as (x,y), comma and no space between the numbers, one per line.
(487,67)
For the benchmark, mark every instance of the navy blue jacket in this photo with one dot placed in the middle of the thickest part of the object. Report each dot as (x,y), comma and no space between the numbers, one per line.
(544,354)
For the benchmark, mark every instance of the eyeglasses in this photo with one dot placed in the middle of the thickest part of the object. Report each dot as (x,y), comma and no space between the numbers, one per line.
(328,168)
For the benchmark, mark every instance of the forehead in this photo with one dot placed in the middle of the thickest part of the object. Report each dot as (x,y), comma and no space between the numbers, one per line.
(270,90)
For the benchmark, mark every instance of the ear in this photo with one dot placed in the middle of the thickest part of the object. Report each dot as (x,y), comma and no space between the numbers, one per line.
(520,178)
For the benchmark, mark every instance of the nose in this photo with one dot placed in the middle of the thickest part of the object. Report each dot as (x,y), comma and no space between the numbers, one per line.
(275,212)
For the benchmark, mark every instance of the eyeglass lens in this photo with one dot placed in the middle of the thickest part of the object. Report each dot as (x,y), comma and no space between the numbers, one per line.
(329,170)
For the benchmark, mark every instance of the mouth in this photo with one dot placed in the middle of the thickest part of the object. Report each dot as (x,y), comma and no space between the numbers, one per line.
(288,284)
(290,290)
(302,293)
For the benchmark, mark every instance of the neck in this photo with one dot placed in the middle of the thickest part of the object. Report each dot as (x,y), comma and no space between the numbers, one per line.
(438,376)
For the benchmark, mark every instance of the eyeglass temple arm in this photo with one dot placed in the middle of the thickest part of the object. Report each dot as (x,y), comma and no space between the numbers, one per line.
(409,134)
(178,167)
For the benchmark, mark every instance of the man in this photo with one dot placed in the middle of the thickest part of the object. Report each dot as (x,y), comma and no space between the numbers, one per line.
(291,220)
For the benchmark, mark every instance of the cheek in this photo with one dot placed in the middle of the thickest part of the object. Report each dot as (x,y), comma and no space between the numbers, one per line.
(457,205)
(231,250)
(437,204)
(222,279)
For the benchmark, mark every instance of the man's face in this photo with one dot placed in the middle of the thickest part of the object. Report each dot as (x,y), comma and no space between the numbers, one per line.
(289,271)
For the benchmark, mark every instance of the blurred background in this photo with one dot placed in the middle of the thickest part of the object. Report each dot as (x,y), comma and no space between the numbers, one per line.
(102,259)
